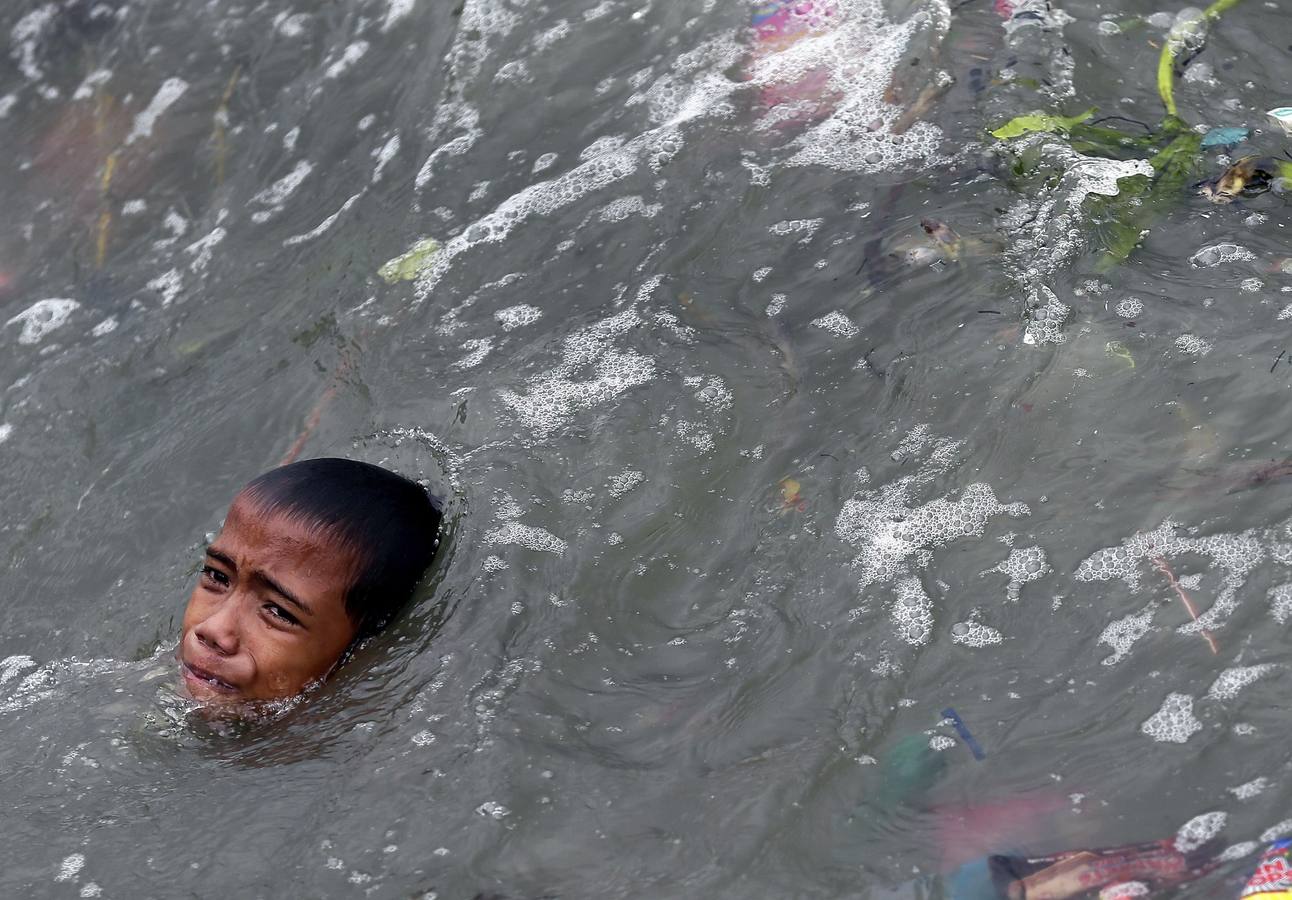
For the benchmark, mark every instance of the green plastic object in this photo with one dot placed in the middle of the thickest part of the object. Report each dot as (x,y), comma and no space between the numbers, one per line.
(1038,121)
(411,263)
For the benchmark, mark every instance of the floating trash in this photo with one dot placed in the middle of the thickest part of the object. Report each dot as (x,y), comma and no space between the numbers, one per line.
(1224,137)
(1282,116)
(410,264)
(1248,176)
(1273,876)
(963,730)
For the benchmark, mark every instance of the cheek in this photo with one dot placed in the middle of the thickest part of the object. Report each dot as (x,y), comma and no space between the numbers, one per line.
(195,611)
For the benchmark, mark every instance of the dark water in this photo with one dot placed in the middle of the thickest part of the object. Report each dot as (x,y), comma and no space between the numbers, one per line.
(649,664)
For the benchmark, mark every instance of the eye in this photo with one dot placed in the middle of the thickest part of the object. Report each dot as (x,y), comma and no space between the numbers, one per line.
(213,577)
(278,613)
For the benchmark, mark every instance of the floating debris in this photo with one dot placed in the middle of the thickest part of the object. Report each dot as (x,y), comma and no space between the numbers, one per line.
(1282,116)
(1247,177)
(1039,122)
(791,495)
(411,263)
(1224,137)
(963,730)
(944,237)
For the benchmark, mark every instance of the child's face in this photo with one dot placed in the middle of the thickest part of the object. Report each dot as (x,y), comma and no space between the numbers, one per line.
(267,616)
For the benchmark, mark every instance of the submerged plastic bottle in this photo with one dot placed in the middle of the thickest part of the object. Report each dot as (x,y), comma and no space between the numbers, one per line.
(1272,879)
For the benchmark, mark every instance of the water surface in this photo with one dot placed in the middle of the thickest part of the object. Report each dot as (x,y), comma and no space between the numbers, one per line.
(741,497)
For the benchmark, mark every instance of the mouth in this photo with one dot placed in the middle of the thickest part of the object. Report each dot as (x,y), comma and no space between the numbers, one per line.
(200,681)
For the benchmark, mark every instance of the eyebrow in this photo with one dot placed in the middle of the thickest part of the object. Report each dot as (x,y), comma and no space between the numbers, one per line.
(260,576)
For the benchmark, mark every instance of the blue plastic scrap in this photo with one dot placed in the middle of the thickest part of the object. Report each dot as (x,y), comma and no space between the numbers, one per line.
(1224,137)
(963,730)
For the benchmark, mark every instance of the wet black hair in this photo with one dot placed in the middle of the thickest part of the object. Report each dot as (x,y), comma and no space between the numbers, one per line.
(390,523)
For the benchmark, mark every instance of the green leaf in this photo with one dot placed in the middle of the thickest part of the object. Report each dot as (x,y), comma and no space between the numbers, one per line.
(1021,125)
(410,264)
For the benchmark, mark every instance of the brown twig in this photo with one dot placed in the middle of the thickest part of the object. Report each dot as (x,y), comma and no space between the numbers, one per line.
(316,414)
(1160,563)
(311,423)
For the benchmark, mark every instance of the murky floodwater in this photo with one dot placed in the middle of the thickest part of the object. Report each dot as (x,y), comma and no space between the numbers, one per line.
(750,478)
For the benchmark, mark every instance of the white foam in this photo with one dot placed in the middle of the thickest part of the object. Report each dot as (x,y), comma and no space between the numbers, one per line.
(1250,789)
(1280,598)
(1045,317)
(837,324)
(518,316)
(10,666)
(476,351)
(168,284)
(1200,829)
(526,536)
(70,867)
(384,155)
(619,209)
(349,56)
(1228,684)
(545,39)
(710,391)
(202,249)
(940,743)
(1213,255)
(1234,554)
(1174,722)
(1276,831)
(697,434)
(86,88)
(624,482)
(894,537)
(25,37)
(1192,345)
(807,227)
(42,317)
(291,25)
(1122,634)
(324,226)
(1047,231)
(171,90)
(853,58)
(277,193)
(912,611)
(974,634)
(1130,307)
(592,372)
(1238,851)
(396,11)
(6,431)
(1021,567)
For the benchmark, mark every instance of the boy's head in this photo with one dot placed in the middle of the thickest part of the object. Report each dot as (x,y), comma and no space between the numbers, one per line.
(312,556)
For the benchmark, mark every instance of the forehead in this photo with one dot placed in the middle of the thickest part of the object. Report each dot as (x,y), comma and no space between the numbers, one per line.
(282,538)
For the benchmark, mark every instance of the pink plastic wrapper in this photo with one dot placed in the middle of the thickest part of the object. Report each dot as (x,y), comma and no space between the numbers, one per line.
(777,25)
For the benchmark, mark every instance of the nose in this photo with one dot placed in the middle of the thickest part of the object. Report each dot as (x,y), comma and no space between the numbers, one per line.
(220,630)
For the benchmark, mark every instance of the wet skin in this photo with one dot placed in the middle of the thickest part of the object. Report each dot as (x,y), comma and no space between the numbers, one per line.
(267,616)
